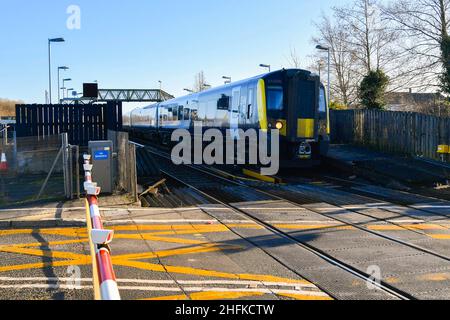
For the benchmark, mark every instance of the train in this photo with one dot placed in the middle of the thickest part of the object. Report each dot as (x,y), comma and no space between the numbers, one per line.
(292,101)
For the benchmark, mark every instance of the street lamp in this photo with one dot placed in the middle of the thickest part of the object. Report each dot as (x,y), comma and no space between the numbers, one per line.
(64,84)
(59,91)
(265,66)
(50,41)
(321,63)
(327,49)
(160,85)
(70,89)
(228,79)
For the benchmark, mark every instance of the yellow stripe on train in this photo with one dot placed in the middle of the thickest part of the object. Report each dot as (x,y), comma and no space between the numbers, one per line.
(262,105)
(305,128)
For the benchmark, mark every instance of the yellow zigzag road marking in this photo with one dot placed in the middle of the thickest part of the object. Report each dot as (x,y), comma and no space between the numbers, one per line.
(209,296)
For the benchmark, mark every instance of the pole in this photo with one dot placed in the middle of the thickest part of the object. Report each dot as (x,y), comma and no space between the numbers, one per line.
(59,90)
(49,72)
(329,91)
(77,165)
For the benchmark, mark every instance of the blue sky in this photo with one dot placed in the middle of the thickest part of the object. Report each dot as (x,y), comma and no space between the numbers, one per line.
(133,44)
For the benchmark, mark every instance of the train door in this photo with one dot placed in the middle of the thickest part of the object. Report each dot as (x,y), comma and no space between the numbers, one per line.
(243,109)
(234,112)
(250,104)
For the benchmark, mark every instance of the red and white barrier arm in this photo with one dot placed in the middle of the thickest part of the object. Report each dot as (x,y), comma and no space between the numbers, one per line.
(100,239)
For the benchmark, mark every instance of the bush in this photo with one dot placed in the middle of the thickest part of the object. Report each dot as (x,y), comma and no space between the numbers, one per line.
(337,106)
(372,90)
(445,77)
(8,107)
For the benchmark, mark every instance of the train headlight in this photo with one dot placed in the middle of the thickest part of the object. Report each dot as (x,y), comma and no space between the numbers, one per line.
(279,125)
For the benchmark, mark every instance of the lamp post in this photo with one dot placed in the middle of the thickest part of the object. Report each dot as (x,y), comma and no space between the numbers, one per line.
(227,79)
(322,48)
(327,49)
(59,91)
(321,63)
(160,85)
(50,41)
(265,66)
(70,89)
(64,84)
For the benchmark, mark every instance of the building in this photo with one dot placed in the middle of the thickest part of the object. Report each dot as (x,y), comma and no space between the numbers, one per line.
(413,102)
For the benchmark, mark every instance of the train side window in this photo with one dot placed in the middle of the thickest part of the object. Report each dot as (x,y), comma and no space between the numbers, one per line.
(180,113)
(223,103)
(187,114)
(250,103)
(322,101)
(194,115)
(175,113)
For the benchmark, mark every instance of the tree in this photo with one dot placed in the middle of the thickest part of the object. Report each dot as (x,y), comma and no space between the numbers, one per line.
(294,60)
(345,76)
(373,89)
(424,24)
(445,77)
(369,37)
(7,107)
(200,81)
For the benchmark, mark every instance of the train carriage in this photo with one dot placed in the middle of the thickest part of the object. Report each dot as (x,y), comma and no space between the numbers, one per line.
(292,101)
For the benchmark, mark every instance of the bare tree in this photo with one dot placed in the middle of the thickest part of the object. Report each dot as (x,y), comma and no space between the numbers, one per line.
(7,107)
(200,81)
(345,75)
(369,37)
(294,59)
(424,25)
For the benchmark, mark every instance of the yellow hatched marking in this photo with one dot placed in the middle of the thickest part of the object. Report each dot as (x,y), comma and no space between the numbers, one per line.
(169,298)
(157,239)
(211,295)
(176,252)
(127,260)
(304,297)
(435,277)
(205,273)
(440,236)
(42,265)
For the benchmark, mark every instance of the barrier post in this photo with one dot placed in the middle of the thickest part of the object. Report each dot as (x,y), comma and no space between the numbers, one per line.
(105,284)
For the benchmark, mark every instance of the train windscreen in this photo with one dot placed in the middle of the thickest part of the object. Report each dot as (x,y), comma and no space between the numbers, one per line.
(275,98)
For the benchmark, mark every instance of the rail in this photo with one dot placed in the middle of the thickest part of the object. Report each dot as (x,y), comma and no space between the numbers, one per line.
(104,278)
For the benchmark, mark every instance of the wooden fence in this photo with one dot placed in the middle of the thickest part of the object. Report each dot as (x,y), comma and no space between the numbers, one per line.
(83,123)
(396,132)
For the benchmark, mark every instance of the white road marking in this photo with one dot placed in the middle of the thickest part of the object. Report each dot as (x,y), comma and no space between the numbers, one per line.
(168,289)
(168,282)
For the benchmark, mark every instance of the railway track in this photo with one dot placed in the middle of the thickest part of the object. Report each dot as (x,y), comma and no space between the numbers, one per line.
(199,185)
(206,181)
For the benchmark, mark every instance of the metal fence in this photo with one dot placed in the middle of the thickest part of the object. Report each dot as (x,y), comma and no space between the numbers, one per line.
(404,133)
(39,168)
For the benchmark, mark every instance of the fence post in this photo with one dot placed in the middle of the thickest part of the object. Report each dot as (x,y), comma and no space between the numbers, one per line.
(132,171)
(77,168)
(66,169)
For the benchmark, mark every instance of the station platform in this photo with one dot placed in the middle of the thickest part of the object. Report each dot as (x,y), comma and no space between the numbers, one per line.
(390,170)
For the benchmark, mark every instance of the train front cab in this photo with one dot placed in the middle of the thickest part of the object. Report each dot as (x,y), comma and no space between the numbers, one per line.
(295,103)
